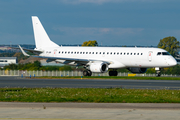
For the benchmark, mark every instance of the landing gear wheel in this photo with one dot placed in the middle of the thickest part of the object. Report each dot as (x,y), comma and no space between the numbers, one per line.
(113,73)
(158,73)
(87,73)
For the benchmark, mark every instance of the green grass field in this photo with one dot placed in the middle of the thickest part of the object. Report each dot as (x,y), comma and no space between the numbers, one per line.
(112,77)
(98,95)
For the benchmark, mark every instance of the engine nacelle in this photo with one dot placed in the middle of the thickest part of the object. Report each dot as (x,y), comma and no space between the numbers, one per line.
(98,67)
(137,70)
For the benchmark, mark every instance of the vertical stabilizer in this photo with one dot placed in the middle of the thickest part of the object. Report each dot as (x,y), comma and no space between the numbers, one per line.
(41,38)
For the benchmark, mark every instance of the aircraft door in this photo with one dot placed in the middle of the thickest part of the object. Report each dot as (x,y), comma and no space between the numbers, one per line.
(150,56)
(54,52)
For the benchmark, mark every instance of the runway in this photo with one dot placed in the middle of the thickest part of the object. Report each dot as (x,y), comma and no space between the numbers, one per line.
(88,83)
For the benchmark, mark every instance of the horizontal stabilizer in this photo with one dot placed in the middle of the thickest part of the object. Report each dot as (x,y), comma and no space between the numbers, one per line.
(36,52)
(25,54)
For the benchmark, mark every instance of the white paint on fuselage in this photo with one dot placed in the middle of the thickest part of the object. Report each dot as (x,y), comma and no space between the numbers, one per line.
(128,58)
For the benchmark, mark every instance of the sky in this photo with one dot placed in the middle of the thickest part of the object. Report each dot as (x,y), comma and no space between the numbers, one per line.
(110,22)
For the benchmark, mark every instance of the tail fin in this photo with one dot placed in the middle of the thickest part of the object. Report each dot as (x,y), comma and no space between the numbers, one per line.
(41,38)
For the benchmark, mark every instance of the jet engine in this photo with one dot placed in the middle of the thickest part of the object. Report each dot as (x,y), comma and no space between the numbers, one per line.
(98,67)
(137,70)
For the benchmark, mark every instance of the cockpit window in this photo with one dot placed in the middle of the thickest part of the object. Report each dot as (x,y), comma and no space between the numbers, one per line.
(159,53)
(163,53)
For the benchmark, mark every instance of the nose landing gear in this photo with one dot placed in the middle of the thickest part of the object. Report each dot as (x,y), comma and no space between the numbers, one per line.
(158,72)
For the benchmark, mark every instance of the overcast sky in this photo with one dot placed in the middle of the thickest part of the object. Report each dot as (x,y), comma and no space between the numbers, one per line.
(110,22)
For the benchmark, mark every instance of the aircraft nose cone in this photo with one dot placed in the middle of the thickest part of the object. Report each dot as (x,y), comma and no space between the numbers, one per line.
(173,62)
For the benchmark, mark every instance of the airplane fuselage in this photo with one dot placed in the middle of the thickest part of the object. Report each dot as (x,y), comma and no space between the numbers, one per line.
(118,57)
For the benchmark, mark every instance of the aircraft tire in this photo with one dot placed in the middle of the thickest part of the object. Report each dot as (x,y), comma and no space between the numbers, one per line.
(89,73)
(113,73)
(85,73)
(158,74)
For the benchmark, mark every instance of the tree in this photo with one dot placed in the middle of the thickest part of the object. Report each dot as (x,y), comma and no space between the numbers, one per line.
(90,43)
(170,44)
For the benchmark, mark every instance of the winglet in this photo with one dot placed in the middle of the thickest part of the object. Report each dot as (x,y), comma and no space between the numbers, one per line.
(24,53)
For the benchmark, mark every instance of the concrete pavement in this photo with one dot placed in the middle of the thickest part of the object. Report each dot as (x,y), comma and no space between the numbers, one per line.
(90,111)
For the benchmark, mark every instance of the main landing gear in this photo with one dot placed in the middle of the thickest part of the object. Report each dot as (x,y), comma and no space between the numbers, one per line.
(113,73)
(87,73)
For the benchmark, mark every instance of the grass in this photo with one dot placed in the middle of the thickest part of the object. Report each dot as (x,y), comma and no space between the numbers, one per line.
(112,77)
(97,95)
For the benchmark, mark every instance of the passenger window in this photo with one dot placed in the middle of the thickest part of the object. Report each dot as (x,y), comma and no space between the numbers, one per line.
(141,53)
(92,52)
(99,52)
(83,52)
(114,53)
(107,53)
(121,53)
(111,53)
(74,52)
(71,52)
(68,52)
(127,53)
(124,53)
(131,53)
(59,52)
(103,52)
(86,52)
(137,53)
(96,52)
(117,53)
(77,52)
(89,52)
(134,53)
(80,52)
(62,52)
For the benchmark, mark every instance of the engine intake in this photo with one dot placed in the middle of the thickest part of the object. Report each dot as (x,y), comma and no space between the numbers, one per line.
(137,70)
(98,67)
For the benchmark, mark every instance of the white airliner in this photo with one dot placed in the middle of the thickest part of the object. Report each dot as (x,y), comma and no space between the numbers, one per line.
(99,59)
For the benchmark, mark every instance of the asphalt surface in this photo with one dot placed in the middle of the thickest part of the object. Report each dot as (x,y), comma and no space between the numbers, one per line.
(88,83)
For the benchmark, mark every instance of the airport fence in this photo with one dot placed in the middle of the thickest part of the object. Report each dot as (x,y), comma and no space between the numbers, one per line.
(66,73)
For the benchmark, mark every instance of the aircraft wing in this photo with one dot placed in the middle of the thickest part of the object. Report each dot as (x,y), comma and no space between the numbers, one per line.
(70,60)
